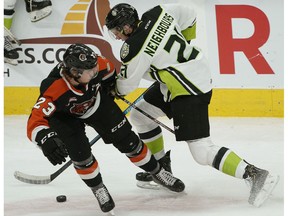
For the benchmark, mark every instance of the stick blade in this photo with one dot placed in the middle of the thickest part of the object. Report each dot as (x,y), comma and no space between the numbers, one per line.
(32,179)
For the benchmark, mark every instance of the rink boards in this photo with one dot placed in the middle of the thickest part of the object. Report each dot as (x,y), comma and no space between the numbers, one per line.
(243,41)
(225,102)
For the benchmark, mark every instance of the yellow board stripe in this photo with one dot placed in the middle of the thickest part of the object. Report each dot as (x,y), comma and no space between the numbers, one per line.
(79,7)
(247,102)
(19,100)
(75,17)
(225,102)
(72,28)
(75,20)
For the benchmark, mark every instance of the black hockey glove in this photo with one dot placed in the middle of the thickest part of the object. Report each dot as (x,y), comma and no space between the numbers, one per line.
(109,87)
(115,94)
(53,148)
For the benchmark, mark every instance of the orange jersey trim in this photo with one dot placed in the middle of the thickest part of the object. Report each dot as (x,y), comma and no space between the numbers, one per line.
(37,117)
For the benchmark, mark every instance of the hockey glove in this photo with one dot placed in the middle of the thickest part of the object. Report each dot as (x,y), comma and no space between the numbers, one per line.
(115,94)
(109,87)
(53,148)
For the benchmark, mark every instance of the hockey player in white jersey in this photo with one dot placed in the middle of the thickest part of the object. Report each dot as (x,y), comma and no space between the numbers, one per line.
(156,47)
(37,9)
(10,53)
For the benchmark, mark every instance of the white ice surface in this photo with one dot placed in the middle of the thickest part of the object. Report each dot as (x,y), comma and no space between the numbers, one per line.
(208,192)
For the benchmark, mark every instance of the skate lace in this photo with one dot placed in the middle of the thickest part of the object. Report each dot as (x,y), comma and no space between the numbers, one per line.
(102,195)
(166,177)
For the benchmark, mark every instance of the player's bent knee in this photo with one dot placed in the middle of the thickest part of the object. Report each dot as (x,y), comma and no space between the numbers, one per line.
(203,150)
(142,124)
(83,164)
(138,119)
(134,116)
(128,144)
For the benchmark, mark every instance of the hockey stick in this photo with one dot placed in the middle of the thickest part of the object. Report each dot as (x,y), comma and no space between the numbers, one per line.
(11,36)
(33,179)
(146,114)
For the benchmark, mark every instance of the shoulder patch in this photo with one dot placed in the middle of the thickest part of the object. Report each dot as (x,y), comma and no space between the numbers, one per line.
(124,50)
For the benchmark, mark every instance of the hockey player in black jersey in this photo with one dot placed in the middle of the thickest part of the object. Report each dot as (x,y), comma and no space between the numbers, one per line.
(75,94)
(157,48)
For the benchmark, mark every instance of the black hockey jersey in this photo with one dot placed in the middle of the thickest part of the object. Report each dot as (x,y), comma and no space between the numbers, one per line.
(58,95)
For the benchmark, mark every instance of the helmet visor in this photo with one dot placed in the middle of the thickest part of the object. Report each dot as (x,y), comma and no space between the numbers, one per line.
(115,32)
(77,72)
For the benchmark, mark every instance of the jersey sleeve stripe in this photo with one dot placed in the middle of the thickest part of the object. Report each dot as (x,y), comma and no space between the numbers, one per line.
(55,90)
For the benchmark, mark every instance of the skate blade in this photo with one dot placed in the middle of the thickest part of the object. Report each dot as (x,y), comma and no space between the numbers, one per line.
(11,61)
(148,185)
(110,213)
(269,186)
(40,14)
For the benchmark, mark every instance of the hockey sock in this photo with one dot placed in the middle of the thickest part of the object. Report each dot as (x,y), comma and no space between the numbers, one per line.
(8,16)
(143,158)
(154,141)
(89,171)
(229,163)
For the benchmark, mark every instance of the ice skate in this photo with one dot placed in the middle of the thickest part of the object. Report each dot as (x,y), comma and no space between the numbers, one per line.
(38,9)
(10,53)
(261,183)
(167,180)
(104,198)
(145,180)
(165,162)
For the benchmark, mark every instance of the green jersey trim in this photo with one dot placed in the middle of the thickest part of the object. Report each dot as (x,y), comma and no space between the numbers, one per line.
(175,81)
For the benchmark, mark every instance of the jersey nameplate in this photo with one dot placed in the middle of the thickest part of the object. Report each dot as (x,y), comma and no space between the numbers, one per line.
(158,34)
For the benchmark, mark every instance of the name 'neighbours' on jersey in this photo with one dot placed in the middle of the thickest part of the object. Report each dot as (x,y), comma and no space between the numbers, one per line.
(158,34)
(158,50)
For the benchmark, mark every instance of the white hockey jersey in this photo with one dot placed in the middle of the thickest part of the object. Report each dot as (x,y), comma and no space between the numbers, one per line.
(158,50)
